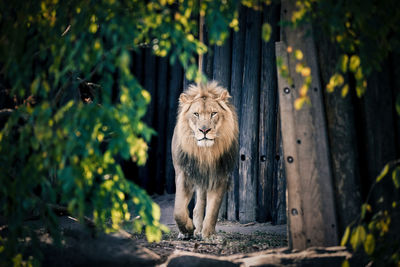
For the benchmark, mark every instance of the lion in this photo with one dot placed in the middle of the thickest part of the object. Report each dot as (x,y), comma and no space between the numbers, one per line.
(204,153)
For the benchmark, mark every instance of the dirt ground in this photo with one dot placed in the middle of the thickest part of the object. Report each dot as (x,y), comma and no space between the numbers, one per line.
(83,247)
(232,237)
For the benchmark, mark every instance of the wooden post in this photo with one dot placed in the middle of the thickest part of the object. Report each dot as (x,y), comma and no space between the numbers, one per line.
(175,88)
(236,93)
(311,210)
(222,74)
(147,172)
(267,128)
(249,122)
(342,136)
(161,123)
(279,184)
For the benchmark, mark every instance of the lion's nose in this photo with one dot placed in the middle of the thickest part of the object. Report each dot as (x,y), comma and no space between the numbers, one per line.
(204,130)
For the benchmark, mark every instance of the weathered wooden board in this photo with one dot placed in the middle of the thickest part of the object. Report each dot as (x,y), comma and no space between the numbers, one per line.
(175,88)
(161,123)
(267,120)
(312,219)
(278,209)
(342,138)
(222,74)
(248,167)
(297,235)
(236,93)
(147,172)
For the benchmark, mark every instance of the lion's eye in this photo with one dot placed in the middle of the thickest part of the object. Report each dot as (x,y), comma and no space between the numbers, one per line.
(196,114)
(213,114)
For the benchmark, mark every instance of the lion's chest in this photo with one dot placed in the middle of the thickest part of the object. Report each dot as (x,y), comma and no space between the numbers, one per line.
(206,173)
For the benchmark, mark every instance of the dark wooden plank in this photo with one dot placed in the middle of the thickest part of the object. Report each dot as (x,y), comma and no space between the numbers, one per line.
(222,64)
(376,136)
(208,59)
(267,120)
(138,65)
(305,145)
(147,172)
(395,68)
(249,122)
(236,93)
(342,138)
(278,210)
(175,88)
(161,123)
(222,74)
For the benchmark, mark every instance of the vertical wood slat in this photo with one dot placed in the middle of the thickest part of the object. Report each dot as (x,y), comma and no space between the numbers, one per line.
(312,220)
(175,88)
(342,138)
(222,74)
(279,183)
(249,121)
(236,92)
(267,120)
(161,123)
(147,172)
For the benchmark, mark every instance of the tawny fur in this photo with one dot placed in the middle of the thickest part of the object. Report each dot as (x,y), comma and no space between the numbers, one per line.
(205,165)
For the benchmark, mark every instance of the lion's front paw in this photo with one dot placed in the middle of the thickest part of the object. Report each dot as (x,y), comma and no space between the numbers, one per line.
(186,236)
(207,233)
(197,234)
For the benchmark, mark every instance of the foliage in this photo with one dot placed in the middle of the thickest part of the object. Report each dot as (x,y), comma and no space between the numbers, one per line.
(374,230)
(56,149)
(366,32)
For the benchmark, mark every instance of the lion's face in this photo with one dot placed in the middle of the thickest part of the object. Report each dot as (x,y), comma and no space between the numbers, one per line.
(204,117)
(207,122)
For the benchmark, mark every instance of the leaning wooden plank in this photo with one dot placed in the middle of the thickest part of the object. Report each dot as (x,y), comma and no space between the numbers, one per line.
(249,121)
(297,235)
(305,147)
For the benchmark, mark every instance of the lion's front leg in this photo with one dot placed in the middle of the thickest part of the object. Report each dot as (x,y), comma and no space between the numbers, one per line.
(214,199)
(181,213)
(198,211)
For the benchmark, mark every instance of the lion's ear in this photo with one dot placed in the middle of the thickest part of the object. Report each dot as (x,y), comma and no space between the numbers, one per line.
(224,96)
(184,99)
(223,100)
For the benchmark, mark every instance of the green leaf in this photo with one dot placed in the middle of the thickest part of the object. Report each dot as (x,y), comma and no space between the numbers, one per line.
(345,263)
(153,233)
(369,244)
(357,237)
(354,63)
(363,210)
(345,236)
(383,173)
(343,62)
(345,90)
(398,104)
(298,54)
(396,177)
(266,32)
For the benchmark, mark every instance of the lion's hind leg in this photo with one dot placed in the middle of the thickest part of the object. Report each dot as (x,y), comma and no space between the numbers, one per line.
(198,211)
(181,213)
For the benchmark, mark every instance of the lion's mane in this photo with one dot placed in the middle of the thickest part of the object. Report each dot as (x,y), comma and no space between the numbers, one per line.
(207,167)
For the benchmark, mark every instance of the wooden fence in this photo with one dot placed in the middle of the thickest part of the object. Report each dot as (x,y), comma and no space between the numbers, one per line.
(245,65)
